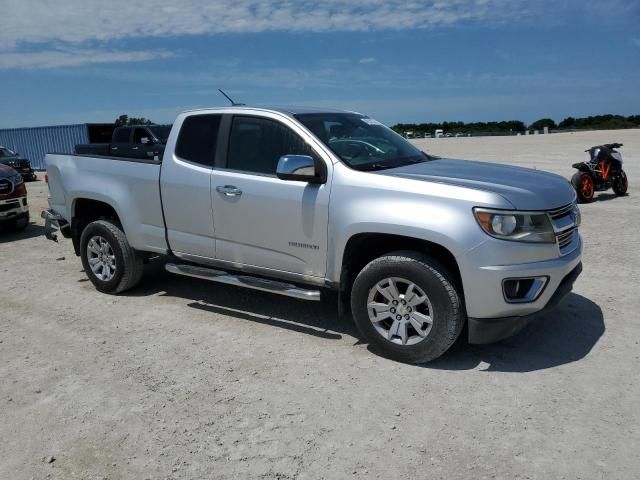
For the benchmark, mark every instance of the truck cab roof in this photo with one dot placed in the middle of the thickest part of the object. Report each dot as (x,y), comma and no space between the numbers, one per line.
(289,110)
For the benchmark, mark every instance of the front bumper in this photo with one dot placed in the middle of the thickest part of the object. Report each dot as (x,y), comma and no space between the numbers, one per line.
(484,269)
(13,208)
(489,330)
(27,173)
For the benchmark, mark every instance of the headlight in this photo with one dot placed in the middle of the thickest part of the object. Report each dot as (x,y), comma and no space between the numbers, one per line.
(16,179)
(516,226)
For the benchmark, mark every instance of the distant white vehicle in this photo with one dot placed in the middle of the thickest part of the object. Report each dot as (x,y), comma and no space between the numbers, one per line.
(408,135)
(438,133)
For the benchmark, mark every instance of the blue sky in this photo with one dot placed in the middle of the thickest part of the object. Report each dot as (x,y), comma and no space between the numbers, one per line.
(398,60)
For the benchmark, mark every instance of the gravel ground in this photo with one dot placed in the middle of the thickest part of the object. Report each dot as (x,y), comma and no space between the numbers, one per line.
(181,378)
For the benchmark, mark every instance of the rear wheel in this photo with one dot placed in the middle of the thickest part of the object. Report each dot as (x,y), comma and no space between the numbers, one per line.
(111,264)
(406,305)
(584,186)
(621,184)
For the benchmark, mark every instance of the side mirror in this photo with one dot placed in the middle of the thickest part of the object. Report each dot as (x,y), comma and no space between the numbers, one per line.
(301,168)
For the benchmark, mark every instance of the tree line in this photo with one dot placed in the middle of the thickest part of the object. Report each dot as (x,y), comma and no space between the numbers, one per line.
(124,120)
(597,122)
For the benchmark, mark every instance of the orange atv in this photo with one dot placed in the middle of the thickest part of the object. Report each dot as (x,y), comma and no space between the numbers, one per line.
(602,172)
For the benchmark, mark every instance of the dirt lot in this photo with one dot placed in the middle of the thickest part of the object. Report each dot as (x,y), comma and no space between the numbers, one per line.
(186,379)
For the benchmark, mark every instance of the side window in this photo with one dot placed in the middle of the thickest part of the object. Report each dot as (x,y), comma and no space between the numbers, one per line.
(139,134)
(256,144)
(122,135)
(198,139)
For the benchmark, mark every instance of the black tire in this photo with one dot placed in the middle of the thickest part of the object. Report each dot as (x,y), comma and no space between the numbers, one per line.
(584,186)
(621,184)
(129,265)
(448,315)
(21,223)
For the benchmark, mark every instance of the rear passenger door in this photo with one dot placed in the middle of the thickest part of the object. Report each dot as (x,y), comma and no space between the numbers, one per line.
(261,221)
(121,142)
(186,186)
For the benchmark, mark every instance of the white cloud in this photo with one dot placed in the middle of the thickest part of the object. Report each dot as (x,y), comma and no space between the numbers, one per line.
(74,57)
(368,60)
(46,34)
(78,21)
(93,25)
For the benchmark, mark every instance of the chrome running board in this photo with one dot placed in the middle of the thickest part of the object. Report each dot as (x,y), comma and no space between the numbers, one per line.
(246,281)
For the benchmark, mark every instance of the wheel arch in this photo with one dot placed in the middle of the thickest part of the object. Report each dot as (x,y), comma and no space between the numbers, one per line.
(361,248)
(85,210)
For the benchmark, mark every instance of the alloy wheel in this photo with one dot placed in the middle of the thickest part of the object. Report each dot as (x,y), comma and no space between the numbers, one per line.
(101,258)
(400,311)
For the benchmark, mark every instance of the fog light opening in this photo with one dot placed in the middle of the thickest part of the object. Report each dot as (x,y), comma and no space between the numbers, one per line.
(523,290)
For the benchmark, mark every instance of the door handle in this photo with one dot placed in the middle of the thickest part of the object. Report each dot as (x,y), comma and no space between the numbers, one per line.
(229,191)
(134,148)
(114,148)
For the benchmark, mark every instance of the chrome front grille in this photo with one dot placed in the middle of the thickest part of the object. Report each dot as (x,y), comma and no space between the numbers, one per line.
(565,238)
(564,221)
(561,212)
(6,187)
(17,163)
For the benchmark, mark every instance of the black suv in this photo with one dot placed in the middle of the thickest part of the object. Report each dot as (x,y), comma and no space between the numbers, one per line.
(19,164)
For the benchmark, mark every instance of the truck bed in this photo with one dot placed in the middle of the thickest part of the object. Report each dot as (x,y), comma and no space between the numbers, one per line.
(96,149)
(130,185)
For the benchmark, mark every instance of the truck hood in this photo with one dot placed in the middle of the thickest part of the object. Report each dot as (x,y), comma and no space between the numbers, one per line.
(6,171)
(524,188)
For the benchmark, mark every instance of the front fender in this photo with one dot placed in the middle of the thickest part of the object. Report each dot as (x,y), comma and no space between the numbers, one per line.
(454,229)
(363,202)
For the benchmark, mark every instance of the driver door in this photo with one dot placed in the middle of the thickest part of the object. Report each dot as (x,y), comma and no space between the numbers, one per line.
(261,221)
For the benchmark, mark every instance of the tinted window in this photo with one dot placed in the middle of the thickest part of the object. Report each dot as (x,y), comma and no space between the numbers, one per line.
(5,152)
(139,134)
(161,132)
(122,135)
(198,138)
(256,144)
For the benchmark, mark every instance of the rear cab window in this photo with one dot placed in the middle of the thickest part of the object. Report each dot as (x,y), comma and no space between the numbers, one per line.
(122,135)
(198,138)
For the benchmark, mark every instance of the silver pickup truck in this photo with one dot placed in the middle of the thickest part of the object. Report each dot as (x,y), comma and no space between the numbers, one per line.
(295,201)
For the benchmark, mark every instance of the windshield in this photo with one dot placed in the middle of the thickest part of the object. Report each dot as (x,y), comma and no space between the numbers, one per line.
(5,152)
(362,142)
(161,132)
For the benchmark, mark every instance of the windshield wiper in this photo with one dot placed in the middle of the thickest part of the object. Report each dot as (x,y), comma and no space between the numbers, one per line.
(392,163)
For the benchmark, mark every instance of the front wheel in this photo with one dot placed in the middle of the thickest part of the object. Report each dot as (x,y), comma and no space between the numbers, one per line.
(407,306)
(584,186)
(111,264)
(621,184)
(21,223)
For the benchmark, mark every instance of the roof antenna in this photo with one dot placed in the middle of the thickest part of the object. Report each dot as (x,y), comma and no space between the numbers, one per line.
(233,104)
